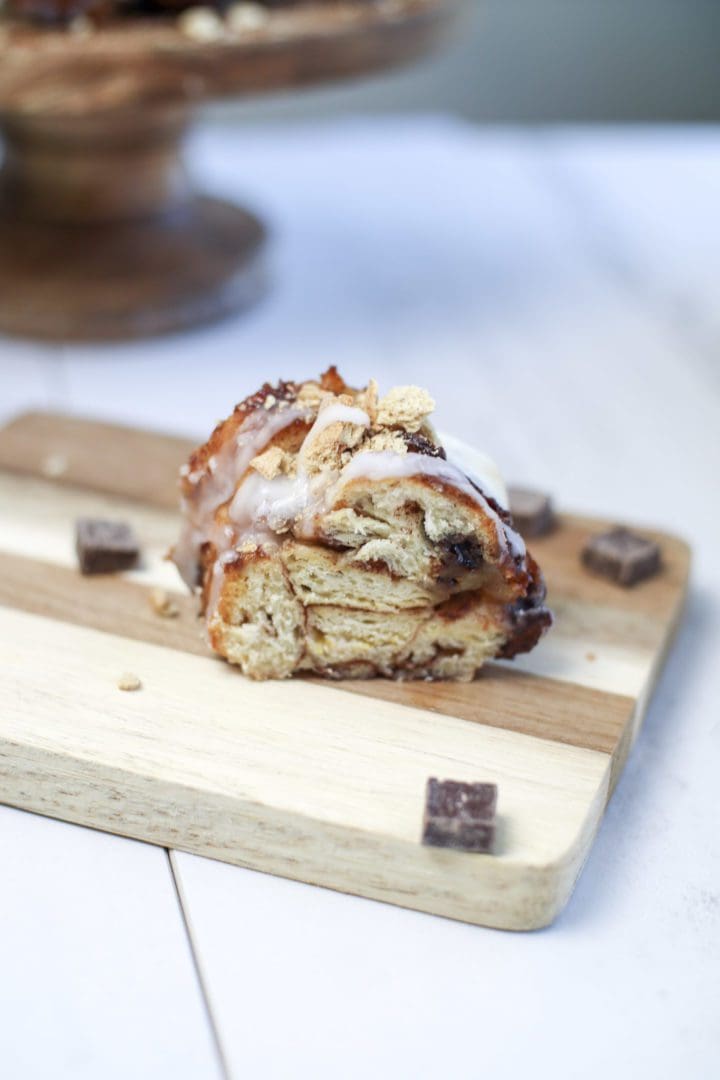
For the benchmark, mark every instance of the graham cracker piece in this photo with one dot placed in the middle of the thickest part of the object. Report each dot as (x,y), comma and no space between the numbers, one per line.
(405,407)
(328,448)
(367,399)
(386,440)
(270,463)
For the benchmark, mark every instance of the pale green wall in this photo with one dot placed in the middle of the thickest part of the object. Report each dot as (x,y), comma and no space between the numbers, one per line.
(545,60)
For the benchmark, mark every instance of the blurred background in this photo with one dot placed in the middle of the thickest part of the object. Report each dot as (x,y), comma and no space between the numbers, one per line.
(535,197)
(547,61)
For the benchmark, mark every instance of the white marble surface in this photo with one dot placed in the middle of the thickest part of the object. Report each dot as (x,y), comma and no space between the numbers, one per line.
(558,293)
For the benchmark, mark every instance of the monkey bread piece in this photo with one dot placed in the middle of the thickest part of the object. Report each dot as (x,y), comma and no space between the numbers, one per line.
(327,532)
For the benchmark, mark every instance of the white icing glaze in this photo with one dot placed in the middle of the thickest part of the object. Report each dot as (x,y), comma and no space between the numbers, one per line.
(262,505)
(216,485)
(269,504)
(336,413)
(277,503)
(260,508)
(216,579)
(386,465)
(478,466)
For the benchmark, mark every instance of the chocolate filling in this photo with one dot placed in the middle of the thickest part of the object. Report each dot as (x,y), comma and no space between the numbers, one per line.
(420,444)
(529,617)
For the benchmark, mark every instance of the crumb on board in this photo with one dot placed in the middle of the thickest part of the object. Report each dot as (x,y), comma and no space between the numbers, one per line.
(128,681)
(162,604)
(590,656)
(54,465)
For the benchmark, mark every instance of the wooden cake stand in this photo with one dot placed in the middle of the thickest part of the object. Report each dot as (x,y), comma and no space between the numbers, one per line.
(101,233)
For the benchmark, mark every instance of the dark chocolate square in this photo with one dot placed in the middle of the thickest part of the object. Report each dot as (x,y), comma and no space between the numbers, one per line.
(105,546)
(621,556)
(532,511)
(460,815)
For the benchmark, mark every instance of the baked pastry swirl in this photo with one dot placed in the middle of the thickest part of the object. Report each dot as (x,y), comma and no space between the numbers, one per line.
(326,531)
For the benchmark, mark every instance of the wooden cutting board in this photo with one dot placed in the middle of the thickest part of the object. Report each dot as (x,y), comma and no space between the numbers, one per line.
(323,782)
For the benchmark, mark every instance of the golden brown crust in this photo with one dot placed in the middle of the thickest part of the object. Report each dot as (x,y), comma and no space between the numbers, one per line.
(197,466)
(282,393)
(334,383)
(528,616)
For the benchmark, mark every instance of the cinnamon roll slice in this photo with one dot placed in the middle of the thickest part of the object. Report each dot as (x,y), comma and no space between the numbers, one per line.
(327,531)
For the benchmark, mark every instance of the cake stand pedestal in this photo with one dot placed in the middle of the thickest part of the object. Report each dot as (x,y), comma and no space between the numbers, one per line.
(102,235)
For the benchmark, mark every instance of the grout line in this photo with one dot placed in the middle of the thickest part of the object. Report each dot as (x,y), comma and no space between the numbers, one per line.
(194,953)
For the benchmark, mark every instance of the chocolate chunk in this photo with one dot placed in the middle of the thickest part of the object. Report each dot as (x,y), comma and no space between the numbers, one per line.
(621,556)
(532,511)
(468,554)
(105,546)
(417,443)
(459,815)
(459,556)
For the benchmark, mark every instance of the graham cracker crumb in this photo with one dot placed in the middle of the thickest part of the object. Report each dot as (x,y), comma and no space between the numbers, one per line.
(248,548)
(386,440)
(311,396)
(290,464)
(405,407)
(270,400)
(128,681)
(162,604)
(270,463)
(590,656)
(324,450)
(367,399)
(328,447)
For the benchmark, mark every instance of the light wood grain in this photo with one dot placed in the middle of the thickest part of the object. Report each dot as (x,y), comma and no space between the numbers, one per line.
(304,782)
(533,705)
(88,451)
(40,575)
(322,782)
